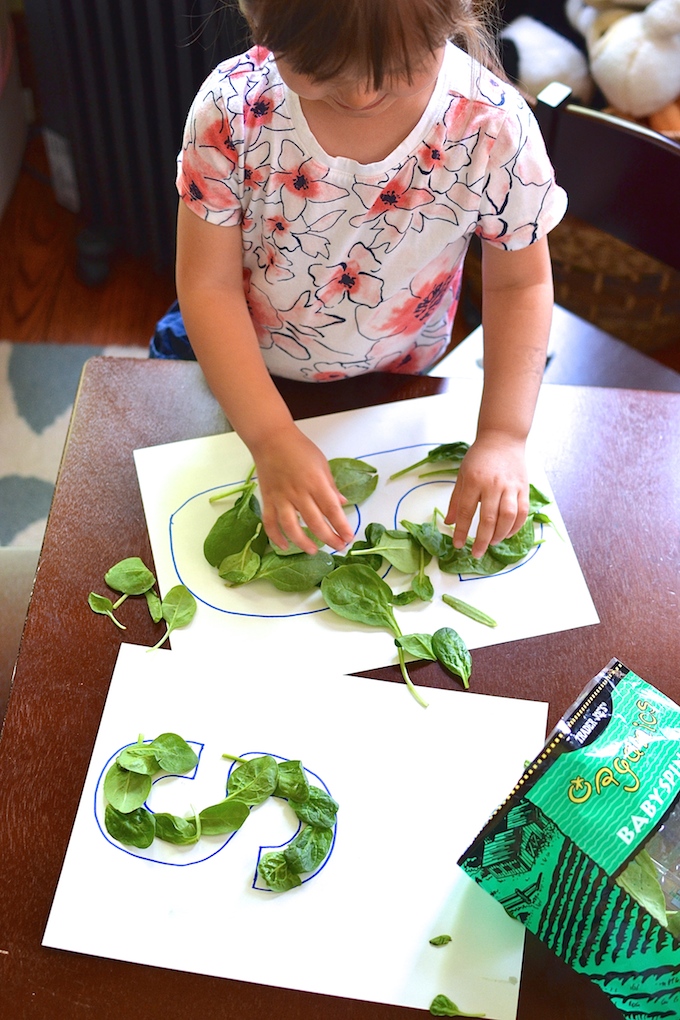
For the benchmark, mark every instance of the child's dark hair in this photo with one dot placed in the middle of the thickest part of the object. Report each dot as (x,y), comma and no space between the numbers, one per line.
(376,38)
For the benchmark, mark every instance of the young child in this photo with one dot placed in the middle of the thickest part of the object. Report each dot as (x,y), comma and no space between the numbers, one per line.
(330,180)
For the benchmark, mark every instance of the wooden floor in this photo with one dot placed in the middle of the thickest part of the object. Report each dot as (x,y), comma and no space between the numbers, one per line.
(43,300)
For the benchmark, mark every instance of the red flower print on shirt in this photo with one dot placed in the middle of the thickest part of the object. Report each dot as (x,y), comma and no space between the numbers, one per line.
(301,181)
(413,361)
(261,104)
(396,196)
(262,312)
(351,279)
(409,311)
(275,264)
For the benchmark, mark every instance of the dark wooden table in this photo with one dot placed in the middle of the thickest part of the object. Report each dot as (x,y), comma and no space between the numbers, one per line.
(613,464)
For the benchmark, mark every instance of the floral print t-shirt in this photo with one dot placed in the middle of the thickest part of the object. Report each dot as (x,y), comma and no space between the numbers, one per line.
(348,267)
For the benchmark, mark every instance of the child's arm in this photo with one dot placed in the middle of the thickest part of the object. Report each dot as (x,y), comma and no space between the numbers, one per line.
(517,294)
(294,477)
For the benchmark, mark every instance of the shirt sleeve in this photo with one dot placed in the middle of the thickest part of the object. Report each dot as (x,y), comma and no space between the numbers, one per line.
(521,201)
(209,170)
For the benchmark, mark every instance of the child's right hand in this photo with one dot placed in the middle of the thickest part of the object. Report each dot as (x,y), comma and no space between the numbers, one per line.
(296,487)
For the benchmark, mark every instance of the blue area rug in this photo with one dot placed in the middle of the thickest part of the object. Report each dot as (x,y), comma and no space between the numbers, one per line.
(38,383)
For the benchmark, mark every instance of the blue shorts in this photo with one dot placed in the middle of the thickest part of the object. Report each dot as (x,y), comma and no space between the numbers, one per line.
(170,338)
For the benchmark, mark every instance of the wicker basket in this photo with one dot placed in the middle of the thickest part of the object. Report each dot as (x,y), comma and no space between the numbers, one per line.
(608,283)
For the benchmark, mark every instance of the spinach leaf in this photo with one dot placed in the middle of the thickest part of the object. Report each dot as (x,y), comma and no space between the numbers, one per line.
(467,610)
(514,549)
(398,548)
(101,604)
(536,499)
(125,790)
(154,605)
(419,645)
(318,810)
(357,593)
(179,831)
(233,529)
(178,609)
(404,598)
(308,850)
(452,652)
(453,452)
(242,566)
(255,780)
(441,1005)
(430,537)
(293,550)
(641,881)
(421,583)
(173,753)
(355,479)
(226,816)
(292,781)
(130,576)
(133,828)
(300,572)
(139,757)
(274,870)
(461,561)
(440,940)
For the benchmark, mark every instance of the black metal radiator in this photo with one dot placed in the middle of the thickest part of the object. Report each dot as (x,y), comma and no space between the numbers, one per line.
(115,80)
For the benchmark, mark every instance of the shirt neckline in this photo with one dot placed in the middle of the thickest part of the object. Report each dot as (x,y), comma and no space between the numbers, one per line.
(397,157)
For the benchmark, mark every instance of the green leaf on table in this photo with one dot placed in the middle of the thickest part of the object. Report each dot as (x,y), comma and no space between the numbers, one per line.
(461,561)
(398,548)
(318,810)
(242,566)
(440,940)
(130,576)
(273,869)
(453,452)
(227,815)
(536,499)
(140,758)
(404,598)
(357,593)
(309,849)
(292,549)
(133,828)
(452,652)
(255,780)
(126,790)
(104,606)
(430,537)
(355,479)
(300,572)
(418,645)
(292,781)
(441,1005)
(176,830)
(512,550)
(178,609)
(467,610)
(154,605)
(422,587)
(233,529)
(173,753)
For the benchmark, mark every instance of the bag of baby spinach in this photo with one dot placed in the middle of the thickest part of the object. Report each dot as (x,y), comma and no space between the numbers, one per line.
(585,851)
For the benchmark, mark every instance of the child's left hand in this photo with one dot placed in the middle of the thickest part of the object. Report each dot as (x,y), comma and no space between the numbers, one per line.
(493,476)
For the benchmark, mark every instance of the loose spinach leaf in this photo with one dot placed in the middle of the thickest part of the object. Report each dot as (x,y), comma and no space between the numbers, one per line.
(233,529)
(133,828)
(308,850)
(514,549)
(404,598)
(536,499)
(130,576)
(154,605)
(173,753)
(101,604)
(292,781)
(255,780)
(372,560)
(461,561)
(140,758)
(274,870)
(421,583)
(355,479)
(453,452)
(418,645)
(357,593)
(293,550)
(178,609)
(299,572)
(440,940)
(430,537)
(318,810)
(125,790)
(179,831)
(467,610)
(398,548)
(242,566)
(441,1005)
(452,652)
(226,816)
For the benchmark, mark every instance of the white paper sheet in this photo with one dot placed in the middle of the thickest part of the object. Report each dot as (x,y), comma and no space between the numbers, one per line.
(543,594)
(414,787)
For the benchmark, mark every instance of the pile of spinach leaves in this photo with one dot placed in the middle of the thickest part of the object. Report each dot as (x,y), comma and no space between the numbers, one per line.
(128,783)
(351,583)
